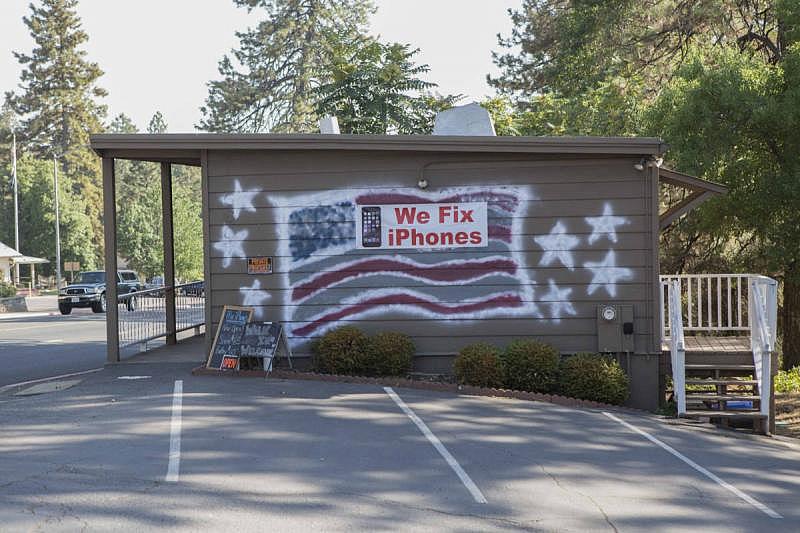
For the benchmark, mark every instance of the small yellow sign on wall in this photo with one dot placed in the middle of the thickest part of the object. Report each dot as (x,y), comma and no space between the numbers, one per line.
(259,265)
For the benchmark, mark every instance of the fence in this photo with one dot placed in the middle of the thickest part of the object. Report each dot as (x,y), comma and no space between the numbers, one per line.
(144,314)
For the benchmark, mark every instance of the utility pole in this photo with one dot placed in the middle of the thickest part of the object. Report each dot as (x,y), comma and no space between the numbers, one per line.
(16,200)
(58,235)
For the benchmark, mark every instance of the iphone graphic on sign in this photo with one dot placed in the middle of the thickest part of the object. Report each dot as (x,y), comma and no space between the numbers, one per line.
(371,227)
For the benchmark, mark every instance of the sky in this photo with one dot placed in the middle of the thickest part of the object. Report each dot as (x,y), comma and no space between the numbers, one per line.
(158,54)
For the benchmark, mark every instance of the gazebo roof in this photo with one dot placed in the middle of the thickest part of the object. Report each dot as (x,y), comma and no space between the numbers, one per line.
(7,251)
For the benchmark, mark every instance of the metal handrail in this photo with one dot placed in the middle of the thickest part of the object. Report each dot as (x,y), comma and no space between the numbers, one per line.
(146,318)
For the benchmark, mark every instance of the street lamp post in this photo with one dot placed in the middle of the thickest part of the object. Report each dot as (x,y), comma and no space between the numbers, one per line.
(58,234)
(16,201)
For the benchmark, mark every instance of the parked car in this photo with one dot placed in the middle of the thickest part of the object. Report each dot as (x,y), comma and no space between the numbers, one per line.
(89,290)
(156,282)
(195,288)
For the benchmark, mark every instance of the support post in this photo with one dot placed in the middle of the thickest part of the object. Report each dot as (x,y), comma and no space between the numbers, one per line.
(169,251)
(110,229)
(206,250)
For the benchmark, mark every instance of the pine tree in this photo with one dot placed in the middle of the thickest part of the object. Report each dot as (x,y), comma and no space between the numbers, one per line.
(267,84)
(58,104)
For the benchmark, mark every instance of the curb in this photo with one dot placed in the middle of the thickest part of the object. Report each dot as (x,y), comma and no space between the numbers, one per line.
(30,314)
(465,390)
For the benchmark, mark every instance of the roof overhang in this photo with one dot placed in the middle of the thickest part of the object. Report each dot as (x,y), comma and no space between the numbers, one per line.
(701,190)
(183,148)
(28,260)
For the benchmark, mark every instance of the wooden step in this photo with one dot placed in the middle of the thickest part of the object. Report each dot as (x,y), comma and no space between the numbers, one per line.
(721,382)
(722,397)
(744,368)
(723,414)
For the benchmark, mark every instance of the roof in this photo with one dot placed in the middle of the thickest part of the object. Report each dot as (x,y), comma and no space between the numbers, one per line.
(184,148)
(7,251)
(27,260)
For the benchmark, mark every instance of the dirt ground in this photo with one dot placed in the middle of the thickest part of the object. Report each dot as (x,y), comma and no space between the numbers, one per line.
(787,409)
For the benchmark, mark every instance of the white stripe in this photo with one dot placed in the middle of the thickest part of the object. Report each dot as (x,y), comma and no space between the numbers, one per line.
(20,384)
(463,476)
(174,468)
(710,475)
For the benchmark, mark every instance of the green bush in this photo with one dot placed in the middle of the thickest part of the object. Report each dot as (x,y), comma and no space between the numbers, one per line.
(595,377)
(788,380)
(7,290)
(479,364)
(341,351)
(531,365)
(389,354)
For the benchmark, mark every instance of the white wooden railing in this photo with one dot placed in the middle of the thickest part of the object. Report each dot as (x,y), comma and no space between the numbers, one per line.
(676,343)
(763,317)
(710,302)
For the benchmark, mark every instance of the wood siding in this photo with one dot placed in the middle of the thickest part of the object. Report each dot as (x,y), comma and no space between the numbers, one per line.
(299,215)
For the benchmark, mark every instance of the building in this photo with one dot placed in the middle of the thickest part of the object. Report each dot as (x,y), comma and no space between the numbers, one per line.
(10,257)
(448,239)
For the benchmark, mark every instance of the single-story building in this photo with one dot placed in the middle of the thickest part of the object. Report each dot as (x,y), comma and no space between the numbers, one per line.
(10,257)
(449,239)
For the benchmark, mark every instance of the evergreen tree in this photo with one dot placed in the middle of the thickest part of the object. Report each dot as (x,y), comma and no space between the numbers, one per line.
(267,84)
(58,105)
(375,88)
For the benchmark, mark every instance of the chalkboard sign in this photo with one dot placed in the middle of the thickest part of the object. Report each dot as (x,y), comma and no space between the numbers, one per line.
(263,340)
(227,342)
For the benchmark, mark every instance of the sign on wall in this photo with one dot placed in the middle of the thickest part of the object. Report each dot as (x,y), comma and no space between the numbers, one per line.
(259,265)
(404,226)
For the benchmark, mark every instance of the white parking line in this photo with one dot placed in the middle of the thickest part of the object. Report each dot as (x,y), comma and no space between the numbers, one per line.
(31,382)
(463,476)
(713,477)
(174,467)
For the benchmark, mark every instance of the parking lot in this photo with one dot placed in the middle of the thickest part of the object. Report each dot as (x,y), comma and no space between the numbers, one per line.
(139,446)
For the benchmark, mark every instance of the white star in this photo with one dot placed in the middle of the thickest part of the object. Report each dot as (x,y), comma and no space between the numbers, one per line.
(557,299)
(605,225)
(606,273)
(240,200)
(557,246)
(254,296)
(231,245)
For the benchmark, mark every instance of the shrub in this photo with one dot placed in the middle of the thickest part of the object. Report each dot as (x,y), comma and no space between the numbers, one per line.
(531,365)
(341,351)
(788,380)
(479,364)
(594,377)
(7,290)
(389,354)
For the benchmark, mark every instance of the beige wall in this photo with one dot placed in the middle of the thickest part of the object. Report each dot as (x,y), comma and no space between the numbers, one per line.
(298,207)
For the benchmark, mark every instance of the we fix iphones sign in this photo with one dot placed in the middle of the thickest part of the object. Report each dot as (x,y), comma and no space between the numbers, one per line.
(403,226)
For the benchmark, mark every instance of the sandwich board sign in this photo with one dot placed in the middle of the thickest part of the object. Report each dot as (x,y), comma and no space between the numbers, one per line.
(228,341)
(265,341)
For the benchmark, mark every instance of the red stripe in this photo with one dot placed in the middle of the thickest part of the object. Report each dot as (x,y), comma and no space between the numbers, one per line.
(505,201)
(504,300)
(437,272)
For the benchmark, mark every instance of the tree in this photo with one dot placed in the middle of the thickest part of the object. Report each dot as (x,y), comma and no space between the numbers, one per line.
(58,102)
(569,47)
(734,118)
(375,88)
(266,85)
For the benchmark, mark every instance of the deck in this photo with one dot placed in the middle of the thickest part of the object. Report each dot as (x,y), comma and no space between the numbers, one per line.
(711,344)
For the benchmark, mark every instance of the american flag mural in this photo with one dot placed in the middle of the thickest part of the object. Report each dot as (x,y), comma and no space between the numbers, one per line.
(330,281)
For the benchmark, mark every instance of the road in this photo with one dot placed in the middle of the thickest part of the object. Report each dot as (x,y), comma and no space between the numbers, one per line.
(38,347)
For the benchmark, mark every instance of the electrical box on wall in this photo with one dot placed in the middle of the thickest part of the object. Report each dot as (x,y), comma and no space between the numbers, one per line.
(615,328)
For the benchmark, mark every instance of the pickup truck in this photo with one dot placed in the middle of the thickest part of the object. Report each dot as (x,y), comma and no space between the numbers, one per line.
(89,290)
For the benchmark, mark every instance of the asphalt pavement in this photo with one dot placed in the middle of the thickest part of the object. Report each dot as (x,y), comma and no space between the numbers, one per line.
(34,347)
(143,446)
